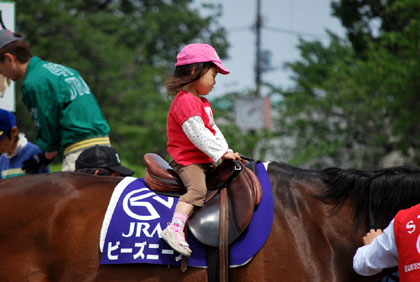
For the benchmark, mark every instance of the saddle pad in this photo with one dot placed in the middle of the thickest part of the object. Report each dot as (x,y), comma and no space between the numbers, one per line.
(136,215)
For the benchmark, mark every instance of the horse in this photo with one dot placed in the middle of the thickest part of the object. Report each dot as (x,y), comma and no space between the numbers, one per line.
(50,226)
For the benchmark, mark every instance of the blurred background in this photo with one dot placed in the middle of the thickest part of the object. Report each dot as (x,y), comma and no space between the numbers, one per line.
(313,83)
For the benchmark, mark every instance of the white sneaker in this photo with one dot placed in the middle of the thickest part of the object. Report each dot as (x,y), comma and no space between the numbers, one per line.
(177,241)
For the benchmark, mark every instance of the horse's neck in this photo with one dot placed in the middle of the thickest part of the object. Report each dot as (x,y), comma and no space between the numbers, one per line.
(310,231)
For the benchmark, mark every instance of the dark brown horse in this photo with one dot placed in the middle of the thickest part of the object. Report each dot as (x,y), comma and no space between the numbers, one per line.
(50,226)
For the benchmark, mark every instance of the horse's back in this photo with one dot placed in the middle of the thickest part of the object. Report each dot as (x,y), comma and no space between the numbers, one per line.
(50,221)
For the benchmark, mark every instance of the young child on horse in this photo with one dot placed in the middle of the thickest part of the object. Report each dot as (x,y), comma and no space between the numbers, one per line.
(195,143)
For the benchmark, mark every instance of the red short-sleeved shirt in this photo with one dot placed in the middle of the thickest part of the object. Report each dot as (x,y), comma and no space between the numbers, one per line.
(184,106)
(407,238)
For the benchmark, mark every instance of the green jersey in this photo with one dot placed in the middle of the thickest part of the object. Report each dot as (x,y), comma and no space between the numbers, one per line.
(62,106)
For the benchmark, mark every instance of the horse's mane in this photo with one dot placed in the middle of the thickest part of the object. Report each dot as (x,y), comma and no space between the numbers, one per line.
(282,166)
(375,195)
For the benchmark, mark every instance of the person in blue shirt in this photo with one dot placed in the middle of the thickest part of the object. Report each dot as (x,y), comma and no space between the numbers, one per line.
(14,147)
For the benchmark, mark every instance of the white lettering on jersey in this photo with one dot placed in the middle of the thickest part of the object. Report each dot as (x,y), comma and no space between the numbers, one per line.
(410,226)
(418,244)
(57,69)
(77,86)
(34,114)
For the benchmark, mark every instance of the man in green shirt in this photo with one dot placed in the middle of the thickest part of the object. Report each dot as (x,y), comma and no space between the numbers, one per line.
(66,115)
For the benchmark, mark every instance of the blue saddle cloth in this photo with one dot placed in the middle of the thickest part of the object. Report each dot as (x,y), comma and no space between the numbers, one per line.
(136,216)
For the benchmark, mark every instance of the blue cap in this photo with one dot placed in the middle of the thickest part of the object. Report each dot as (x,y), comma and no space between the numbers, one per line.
(7,121)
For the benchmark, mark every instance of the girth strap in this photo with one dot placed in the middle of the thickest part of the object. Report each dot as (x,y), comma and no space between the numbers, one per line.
(223,235)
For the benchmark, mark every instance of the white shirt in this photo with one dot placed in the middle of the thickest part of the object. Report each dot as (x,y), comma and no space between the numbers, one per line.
(379,254)
(22,141)
(214,146)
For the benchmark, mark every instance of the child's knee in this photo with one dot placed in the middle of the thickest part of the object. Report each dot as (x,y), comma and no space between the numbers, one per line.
(194,197)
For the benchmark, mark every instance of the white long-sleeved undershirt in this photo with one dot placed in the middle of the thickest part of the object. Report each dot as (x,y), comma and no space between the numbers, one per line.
(215,146)
(379,254)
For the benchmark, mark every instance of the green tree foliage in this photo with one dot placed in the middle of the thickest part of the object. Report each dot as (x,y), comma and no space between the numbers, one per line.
(354,105)
(124,49)
(367,20)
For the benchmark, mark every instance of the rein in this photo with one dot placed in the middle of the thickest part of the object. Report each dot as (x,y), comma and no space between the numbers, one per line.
(371,217)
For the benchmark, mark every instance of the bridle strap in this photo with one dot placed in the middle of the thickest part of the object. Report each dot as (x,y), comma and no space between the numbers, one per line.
(371,217)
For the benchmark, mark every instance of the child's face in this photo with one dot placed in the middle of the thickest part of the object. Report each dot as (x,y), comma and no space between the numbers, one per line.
(205,83)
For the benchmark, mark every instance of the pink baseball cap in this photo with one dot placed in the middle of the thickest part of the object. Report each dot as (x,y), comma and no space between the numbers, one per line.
(199,53)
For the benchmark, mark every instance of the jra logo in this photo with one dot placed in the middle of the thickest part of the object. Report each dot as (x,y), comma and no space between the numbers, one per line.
(136,208)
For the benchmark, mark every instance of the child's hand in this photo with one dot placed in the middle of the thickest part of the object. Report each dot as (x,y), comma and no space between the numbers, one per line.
(231,156)
(372,234)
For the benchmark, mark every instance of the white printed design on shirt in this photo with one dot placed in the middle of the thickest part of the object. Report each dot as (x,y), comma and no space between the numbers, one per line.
(418,244)
(410,226)
(57,69)
(210,115)
(34,114)
(77,86)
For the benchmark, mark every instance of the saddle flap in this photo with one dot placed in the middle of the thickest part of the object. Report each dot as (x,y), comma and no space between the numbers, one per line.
(221,175)
(242,199)
(256,185)
(204,222)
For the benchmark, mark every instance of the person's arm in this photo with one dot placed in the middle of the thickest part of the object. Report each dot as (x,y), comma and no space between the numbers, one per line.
(38,162)
(215,146)
(219,136)
(379,252)
(45,110)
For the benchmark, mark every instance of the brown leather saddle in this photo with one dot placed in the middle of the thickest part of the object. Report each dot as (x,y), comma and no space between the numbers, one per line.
(161,178)
(244,194)
(234,192)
